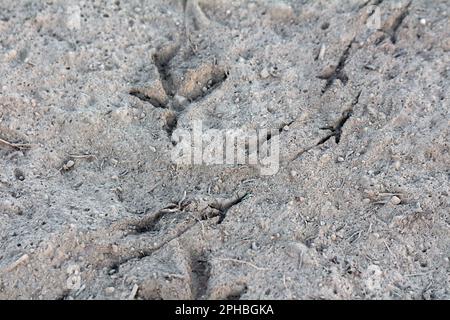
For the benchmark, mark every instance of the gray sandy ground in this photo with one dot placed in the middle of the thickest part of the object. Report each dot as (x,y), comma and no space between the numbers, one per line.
(92,206)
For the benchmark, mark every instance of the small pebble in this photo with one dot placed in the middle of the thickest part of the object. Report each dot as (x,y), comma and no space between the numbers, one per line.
(19,175)
(327,72)
(370,67)
(68,165)
(423,21)
(395,200)
(281,11)
(110,290)
(274,71)
(264,73)
(340,159)
(322,52)
(179,101)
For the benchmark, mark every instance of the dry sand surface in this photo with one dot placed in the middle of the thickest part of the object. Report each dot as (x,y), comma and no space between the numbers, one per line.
(93,207)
